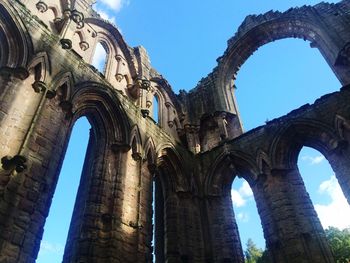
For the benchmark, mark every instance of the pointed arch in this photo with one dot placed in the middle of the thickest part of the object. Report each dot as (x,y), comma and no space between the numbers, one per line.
(64,83)
(15,43)
(115,34)
(41,65)
(171,163)
(135,141)
(225,167)
(95,99)
(292,137)
(150,151)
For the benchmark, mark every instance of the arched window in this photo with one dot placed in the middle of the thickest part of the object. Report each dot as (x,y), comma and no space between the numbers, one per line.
(100,57)
(325,193)
(58,221)
(156,115)
(247,217)
(280,77)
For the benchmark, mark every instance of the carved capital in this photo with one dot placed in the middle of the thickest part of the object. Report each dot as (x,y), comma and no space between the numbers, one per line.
(136,156)
(17,162)
(66,43)
(119,77)
(41,6)
(77,16)
(84,45)
(39,86)
(145,113)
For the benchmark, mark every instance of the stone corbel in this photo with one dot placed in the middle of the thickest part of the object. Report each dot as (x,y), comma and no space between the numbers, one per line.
(136,156)
(145,113)
(39,86)
(17,162)
(78,18)
(66,43)
(84,45)
(41,6)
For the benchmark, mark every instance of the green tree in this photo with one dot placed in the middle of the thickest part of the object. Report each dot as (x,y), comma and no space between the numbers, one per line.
(339,240)
(253,253)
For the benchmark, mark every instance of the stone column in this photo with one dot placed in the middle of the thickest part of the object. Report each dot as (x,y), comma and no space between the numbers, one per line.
(26,196)
(339,160)
(171,229)
(223,230)
(292,230)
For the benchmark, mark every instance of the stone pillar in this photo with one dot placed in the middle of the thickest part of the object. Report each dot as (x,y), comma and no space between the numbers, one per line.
(26,197)
(292,230)
(171,250)
(339,160)
(223,230)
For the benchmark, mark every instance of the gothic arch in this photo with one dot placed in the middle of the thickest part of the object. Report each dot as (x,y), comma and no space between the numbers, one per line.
(173,175)
(64,83)
(257,31)
(150,151)
(42,63)
(224,169)
(115,34)
(15,44)
(289,140)
(92,98)
(136,141)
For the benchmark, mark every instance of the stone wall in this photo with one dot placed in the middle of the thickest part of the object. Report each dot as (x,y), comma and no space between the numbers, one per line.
(189,159)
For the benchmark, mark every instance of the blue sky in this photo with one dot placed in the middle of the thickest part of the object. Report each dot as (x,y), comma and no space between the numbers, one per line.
(183,39)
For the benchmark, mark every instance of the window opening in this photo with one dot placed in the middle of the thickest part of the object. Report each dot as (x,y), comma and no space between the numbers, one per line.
(156,109)
(100,57)
(61,210)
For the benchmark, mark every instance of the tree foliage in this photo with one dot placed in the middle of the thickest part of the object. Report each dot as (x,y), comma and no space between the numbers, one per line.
(339,240)
(253,253)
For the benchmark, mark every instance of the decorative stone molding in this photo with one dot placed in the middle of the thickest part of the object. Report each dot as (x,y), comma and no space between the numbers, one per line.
(41,6)
(145,113)
(39,86)
(78,18)
(66,43)
(84,45)
(136,156)
(17,162)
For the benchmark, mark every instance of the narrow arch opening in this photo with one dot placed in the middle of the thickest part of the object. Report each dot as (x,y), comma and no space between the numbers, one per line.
(324,190)
(280,77)
(156,109)
(61,210)
(100,57)
(158,221)
(248,220)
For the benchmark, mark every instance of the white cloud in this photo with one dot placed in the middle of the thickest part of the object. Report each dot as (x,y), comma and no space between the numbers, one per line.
(337,212)
(240,197)
(99,58)
(237,199)
(50,248)
(313,160)
(245,190)
(105,16)
(115,5)
(244,217)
